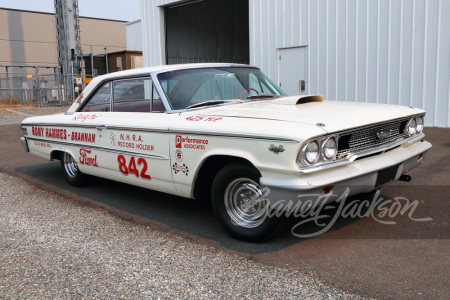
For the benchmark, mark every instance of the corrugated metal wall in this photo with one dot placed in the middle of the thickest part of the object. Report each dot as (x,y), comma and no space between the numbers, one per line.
(152,19)
(383,51)
(395,52)
(134,35)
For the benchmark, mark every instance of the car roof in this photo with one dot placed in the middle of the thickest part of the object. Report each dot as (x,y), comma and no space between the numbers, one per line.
(145,72)
(168,68)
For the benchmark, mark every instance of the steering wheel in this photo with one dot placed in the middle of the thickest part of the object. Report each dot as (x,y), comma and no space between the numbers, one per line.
(246,90)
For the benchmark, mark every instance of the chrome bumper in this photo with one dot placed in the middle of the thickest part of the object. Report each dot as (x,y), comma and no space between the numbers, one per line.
(23,141)
(359,176)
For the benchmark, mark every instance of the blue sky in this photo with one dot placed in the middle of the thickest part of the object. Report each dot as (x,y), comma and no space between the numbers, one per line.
(126,10)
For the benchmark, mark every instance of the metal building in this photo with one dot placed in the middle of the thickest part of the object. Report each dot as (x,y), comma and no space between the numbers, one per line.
(134,35)
(384,51)
(29,66)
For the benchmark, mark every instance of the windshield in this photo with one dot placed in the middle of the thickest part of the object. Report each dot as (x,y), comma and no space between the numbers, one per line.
(186,88)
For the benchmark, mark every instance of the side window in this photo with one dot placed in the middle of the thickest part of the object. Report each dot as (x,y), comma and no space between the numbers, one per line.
(101,100)
(157,105)
(132,95)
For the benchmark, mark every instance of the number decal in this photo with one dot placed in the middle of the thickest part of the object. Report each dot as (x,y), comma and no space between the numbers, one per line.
(122,164)
(132,167)
(144,169)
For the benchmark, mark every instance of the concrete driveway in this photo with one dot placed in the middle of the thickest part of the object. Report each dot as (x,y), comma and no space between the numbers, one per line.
(407,260)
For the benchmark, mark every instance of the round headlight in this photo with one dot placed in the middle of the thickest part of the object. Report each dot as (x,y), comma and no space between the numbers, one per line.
(419,124)
(329,148)
(312,152)
(411,127)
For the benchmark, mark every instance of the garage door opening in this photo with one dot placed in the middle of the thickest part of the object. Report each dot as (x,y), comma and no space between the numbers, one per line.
(208,31)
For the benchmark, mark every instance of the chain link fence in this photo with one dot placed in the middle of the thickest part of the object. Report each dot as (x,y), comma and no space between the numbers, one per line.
(39,85)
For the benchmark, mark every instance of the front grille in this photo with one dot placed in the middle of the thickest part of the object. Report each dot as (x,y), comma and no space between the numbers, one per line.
(365,138)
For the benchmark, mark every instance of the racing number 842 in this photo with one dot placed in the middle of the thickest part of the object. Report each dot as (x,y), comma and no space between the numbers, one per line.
(131,168)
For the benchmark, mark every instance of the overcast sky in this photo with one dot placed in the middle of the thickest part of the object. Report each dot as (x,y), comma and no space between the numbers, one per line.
(126,10)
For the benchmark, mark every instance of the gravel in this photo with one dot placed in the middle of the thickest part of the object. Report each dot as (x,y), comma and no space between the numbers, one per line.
(51,247)
(17,115)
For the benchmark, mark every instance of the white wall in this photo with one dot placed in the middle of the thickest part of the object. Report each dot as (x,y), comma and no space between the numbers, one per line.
(152,19)
(385,51)
(134,35)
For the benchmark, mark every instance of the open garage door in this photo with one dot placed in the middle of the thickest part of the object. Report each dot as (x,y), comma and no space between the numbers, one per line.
(208,31)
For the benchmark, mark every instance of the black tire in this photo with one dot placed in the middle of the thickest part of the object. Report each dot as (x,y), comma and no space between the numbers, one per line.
(237,173)
(70,169)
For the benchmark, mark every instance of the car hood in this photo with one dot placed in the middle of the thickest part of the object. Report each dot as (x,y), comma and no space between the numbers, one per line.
(336,115)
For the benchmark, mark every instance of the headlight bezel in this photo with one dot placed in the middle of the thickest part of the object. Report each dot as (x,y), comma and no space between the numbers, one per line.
(421,119)
(302,161)
(302,157)
(335,148)
(408,132)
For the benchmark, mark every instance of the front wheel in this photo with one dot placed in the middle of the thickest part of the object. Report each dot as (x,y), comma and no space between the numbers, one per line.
(239,204)
(71,171)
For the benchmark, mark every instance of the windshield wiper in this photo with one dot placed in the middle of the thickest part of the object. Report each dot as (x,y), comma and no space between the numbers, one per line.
(212,102)
(261,96)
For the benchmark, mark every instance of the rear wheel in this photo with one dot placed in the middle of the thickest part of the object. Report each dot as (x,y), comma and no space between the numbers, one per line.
(71,171)
(239,204)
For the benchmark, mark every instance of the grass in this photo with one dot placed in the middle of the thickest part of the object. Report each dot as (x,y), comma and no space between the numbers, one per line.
(13,102)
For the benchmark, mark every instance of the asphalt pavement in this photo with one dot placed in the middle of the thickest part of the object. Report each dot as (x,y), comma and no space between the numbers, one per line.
(409,259)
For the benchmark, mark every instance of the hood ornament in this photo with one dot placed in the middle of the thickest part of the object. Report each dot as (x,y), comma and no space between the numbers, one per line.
(276,149)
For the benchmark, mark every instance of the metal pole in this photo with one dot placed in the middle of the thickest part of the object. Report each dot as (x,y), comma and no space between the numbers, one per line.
(38,87)
(82,69)
(7,81)
(72,83)
(106,57)
(92,64)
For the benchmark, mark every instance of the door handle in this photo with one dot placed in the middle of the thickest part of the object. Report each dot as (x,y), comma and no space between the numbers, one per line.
(301,85)
(101,127)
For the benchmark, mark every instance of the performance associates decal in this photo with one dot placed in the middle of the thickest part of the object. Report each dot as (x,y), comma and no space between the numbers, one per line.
(188,143)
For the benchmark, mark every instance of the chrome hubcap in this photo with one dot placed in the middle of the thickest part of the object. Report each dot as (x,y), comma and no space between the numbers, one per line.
(70,165)
(245,203)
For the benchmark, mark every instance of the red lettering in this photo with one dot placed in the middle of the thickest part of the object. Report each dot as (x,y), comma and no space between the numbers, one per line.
(132,167)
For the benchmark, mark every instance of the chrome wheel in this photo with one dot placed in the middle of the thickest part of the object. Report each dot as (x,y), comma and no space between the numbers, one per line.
(70,165)
(245,203)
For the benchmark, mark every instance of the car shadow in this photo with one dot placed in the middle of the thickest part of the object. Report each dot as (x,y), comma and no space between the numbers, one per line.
(191,216)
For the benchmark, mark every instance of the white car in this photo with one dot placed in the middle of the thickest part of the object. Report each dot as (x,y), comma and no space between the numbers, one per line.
(228,133)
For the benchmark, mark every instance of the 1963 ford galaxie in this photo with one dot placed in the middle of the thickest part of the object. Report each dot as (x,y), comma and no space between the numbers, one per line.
(227,133)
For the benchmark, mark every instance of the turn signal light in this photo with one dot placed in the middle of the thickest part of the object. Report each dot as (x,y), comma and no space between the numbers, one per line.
(328,189)
(420,157)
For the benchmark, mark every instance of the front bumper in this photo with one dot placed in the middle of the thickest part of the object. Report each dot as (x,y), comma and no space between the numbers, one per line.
(23,141)
(359,177)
